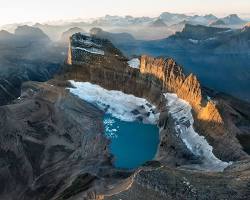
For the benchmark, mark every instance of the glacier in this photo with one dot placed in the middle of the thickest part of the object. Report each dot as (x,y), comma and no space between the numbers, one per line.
(123,106)
(180,111)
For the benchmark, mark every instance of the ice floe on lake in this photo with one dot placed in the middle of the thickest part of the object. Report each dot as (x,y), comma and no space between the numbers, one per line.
(123,106)
(180,111)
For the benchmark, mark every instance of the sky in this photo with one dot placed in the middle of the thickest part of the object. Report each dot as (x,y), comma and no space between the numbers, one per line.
(12,11)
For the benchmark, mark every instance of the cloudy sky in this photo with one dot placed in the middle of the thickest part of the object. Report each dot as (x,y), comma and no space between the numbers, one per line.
(44,10)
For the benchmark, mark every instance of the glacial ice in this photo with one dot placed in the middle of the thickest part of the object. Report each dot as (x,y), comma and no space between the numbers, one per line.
(123,106)
(134,63)
(180,110)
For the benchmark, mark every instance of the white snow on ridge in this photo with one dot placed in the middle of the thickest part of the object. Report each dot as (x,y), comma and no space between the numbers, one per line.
(193,41)
(88,42)
(120,105)
(134,63)
(90,50)
(180,110)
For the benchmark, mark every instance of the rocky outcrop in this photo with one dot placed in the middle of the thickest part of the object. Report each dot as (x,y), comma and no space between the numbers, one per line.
(160,182)
(51,145)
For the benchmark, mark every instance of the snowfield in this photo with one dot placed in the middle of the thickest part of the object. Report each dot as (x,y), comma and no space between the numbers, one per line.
(123,106)
(134,63)
(180,110)
(90,50)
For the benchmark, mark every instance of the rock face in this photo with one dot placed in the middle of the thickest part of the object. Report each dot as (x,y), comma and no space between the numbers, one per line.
(166,183)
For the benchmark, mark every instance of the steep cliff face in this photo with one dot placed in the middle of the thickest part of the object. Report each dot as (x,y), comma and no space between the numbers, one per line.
(186,87)
(208,118)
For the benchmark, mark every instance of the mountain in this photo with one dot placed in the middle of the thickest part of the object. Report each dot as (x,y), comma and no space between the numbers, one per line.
(109,20)
(218,22)
(210,17)
(202,20)
(172,18)
(158,23)
(230,20)
(66,35)
(116,38)
(31,33)
(233,19)
(199,32)
(5,36)
(28,54)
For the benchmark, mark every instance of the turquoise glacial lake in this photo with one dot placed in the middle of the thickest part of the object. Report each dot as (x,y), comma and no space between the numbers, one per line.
(132,143)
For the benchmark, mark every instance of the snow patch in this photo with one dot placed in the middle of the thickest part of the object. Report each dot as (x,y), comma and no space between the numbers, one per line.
(180,110)
(134,63)
(90,50)
(193,41)
(123,106)
(88,42)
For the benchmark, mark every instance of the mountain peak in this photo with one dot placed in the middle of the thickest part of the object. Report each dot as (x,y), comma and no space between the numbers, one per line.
(30,32)
(233,19)
(158,23)
(66,35)
(199,32)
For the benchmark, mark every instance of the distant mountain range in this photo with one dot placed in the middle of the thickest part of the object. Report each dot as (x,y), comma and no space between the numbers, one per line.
(140,27)
(166,18)
(23,35)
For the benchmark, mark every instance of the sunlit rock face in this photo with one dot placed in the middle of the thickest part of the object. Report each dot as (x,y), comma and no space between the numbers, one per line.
(208,119)
(174,80)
